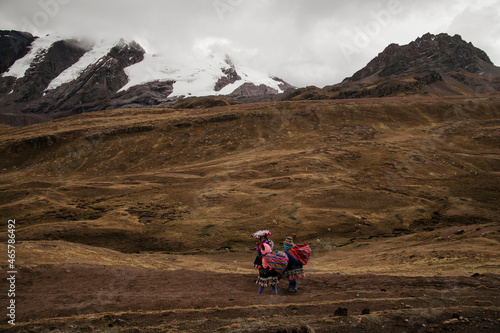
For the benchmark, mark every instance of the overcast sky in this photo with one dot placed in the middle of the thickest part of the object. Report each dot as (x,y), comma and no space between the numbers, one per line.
(304,42)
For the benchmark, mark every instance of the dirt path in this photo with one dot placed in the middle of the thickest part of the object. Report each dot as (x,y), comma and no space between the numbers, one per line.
(79,298)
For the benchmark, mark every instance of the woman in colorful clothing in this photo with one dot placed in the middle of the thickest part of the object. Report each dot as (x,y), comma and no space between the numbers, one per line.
(262,238)
(267,275)
(293,270)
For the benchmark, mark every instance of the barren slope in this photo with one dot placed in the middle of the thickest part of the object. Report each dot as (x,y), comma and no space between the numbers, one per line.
(203,180)
(392,187)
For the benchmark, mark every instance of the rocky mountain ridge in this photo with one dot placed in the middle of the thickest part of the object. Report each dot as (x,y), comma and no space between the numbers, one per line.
(437,53)
(432,65)
(54,76)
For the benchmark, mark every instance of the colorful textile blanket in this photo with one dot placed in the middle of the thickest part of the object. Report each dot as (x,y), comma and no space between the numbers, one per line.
(277,261)
(301,252)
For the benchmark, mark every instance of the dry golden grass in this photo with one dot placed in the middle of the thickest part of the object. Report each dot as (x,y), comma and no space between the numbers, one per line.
(135,186)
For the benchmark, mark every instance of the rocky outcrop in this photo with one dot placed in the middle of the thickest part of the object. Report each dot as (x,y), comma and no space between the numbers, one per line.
(231,76)
(433,65)
(97,84)
(61,55)
(440,53)
(153,94)
(94,89)
(250,89)
(13,45)
(204,103)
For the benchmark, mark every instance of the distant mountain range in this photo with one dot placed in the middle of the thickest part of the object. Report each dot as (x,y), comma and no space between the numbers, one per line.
(432,65)
(52,76)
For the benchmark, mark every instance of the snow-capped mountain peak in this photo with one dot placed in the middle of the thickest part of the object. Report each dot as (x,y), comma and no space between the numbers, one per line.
(61,75)
(215,75)
(206,78)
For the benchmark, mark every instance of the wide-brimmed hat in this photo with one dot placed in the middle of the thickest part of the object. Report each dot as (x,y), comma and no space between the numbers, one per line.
(261,233)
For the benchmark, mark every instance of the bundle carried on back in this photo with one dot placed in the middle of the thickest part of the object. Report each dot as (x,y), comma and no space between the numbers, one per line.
(301,252)
(277,261)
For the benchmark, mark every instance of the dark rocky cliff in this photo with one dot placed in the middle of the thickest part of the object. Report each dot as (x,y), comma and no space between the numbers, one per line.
(440,53)
(13,45)
(432,65)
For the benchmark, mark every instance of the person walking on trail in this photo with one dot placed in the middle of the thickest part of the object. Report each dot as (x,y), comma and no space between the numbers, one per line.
(267,275)
(293,270)
(262,237)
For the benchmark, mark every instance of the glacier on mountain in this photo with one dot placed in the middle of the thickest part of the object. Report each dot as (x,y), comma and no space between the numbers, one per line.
(38,48)
(197,76)
(98,51)
(194,80)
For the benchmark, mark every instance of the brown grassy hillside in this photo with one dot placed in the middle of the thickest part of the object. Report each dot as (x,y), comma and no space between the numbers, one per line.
(203,180)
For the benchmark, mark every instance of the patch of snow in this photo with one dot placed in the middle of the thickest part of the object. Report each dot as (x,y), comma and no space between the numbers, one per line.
(258,78)
(11,92)
(38,48)
(196,80)
(231,87)
(151,68)
(95,55)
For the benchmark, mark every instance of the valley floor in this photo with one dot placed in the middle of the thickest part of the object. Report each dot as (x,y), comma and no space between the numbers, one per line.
(108,298)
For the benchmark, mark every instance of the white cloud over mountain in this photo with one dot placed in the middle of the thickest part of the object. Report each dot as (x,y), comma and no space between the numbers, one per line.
(304,42)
